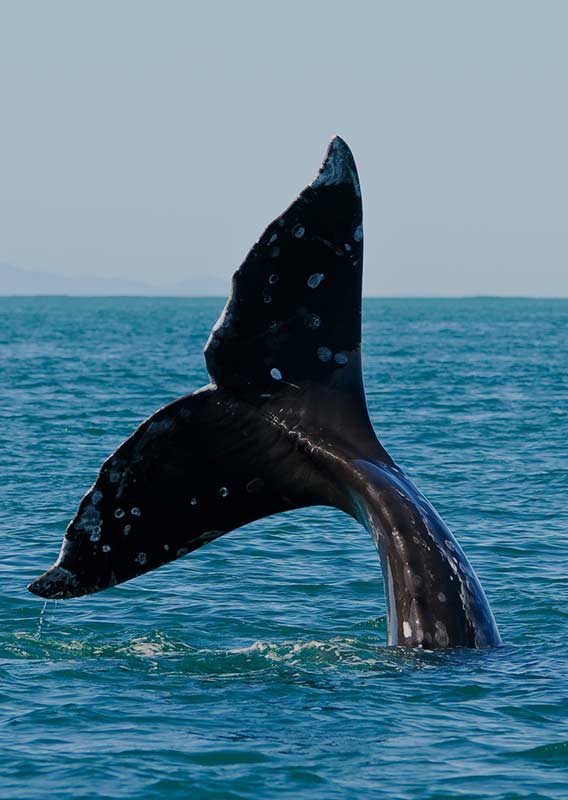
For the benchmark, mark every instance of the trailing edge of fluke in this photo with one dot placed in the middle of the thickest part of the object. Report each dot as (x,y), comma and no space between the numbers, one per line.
(282,425)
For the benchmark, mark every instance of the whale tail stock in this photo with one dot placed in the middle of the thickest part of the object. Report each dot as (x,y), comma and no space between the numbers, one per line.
(283,425)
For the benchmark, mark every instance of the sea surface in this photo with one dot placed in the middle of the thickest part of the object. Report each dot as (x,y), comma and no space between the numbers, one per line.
(256,668)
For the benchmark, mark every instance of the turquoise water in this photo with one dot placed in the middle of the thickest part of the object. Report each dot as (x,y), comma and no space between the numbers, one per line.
(257,667)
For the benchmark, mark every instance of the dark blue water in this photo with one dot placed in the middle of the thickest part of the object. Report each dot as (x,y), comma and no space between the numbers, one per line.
(257,667)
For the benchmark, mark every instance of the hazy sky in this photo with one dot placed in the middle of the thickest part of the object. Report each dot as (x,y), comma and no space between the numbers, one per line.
(155,140)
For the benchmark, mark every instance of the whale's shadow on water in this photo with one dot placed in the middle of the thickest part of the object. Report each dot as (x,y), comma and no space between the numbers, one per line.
(283,425)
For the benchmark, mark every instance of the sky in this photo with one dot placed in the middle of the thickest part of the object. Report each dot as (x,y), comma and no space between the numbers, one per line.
(155,140)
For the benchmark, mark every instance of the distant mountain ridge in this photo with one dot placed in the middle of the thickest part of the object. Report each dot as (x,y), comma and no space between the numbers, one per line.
(18,281)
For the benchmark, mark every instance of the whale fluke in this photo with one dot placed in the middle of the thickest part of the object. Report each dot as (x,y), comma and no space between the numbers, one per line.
(299,286)
(283,425)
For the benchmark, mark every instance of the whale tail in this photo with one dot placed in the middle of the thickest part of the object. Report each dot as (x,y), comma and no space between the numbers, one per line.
(292,324)
(285,364)
(283,425)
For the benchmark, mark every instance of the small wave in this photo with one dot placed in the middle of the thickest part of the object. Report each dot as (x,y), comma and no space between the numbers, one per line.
(554,752)
(304,656)
(362,652)
(32,646)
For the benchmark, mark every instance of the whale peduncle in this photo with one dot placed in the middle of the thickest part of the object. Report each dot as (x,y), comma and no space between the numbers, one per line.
(434,598)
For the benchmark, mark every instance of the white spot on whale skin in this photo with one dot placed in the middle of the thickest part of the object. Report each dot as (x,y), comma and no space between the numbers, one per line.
(223,491)
(89,519)
(441,636)
(441,597)
(347,247)
(341,359)
(127,529)
(358,235)
(160,426)
(141,558)
(193,501)
(273,278)
(298,231)
(183,551)
(312,321)
(337,168)
(136,512)
(275,252)
(106,548)
(96,497)
(266,296)
(94,537)
(315,280)
(208,536)
(119,513)
(273,238)
(406,629)
(412,581)
(276,374)
(166,547)
(255,485)
(324,354)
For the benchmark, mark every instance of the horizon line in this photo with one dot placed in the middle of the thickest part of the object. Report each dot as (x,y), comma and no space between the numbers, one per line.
(224,297)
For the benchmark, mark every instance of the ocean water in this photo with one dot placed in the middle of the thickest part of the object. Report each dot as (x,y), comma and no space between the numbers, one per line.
(257,666)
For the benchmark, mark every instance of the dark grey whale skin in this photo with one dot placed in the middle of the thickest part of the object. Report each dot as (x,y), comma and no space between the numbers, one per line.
(283,425)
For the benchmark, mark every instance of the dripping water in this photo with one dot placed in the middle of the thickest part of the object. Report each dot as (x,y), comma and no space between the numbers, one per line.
(40,621)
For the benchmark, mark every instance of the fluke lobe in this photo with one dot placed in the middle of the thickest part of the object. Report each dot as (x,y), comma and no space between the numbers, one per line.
(282,425)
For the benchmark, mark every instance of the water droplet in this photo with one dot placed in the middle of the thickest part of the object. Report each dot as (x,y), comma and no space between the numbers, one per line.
(276,374)
(358,235)
(127,529)
(96,497)
(324,354)
(106,548)
(40,622)
(275,252)
(298,231)
(136,512)
(223,491)
(119,513)
(94,537)
(273,238)
(315,280)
